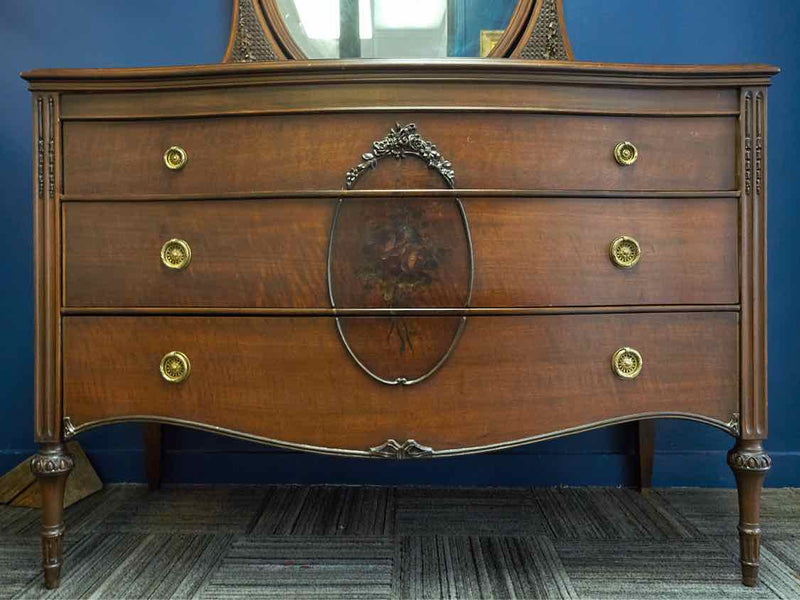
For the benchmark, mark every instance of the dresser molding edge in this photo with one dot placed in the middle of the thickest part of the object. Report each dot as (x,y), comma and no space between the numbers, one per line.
(415,193)
(400,108)
(731,427)
(320,72)
(120,311)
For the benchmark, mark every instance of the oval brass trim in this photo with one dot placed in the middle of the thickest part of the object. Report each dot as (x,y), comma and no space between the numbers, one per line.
(625,153)
(175,367)
(175,158)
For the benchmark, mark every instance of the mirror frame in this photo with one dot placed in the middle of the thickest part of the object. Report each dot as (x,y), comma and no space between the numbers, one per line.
(535,31)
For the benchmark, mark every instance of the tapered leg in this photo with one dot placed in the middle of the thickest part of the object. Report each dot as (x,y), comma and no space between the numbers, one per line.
(151,438)
(750,464)
(647,436)
(52,467)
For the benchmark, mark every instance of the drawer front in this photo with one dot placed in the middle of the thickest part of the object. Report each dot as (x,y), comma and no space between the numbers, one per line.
(243,254)
(528,252)
(310,152)
(507,379)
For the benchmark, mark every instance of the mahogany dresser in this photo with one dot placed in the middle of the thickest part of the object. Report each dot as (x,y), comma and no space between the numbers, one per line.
(400,259)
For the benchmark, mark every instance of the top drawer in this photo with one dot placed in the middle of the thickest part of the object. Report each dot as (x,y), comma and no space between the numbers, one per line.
(253,154)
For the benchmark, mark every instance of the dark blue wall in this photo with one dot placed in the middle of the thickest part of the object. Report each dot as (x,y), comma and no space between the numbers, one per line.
(43,33)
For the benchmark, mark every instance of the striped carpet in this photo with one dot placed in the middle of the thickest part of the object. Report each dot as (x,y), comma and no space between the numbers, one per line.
(379,542)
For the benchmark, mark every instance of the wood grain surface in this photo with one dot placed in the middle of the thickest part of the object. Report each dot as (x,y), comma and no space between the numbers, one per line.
(297,152)
(243,253)
(290,379)
(528,252)
(454,95)
(395,348)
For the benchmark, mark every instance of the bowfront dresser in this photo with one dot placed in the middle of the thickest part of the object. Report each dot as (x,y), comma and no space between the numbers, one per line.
(400,259)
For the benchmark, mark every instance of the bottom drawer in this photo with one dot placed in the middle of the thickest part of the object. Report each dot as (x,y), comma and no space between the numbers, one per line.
(291,380)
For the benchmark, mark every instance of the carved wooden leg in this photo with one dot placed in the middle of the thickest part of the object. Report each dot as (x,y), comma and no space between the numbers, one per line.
(51,467)
(750,464)
(646,442)
(151,439)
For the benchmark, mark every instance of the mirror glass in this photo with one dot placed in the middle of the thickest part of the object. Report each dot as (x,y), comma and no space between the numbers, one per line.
(396,28)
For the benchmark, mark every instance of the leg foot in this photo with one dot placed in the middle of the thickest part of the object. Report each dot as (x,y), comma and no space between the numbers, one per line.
(646,443)
(151,437)
(51,467)
(750,464)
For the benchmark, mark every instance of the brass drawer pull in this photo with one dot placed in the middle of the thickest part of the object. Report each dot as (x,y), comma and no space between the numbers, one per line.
(624,252)
(175,158)
(625,153)
(176,254)
(626,363)
(175,367)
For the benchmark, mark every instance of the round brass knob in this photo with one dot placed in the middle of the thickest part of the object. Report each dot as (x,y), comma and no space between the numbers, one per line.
(626,363)
(624,252)
(175,367)
(175,158)
(625,153)
(176,254)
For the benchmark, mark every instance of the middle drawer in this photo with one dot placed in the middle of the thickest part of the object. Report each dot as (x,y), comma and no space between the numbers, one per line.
(526,252)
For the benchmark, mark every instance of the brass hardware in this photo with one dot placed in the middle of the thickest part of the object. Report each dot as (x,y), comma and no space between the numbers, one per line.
(733,424)
(175,158)
(69,428)
(626,363)
(176,254)
(625,252)
(625,153)
(409,449)
(175,367)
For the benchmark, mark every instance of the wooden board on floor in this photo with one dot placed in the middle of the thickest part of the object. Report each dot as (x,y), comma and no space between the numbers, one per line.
(13,483)
(18,487)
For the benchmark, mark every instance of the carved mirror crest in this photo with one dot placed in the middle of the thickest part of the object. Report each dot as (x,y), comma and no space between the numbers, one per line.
(269,30)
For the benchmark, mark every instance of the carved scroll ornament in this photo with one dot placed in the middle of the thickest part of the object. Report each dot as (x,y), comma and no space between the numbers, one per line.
(402,141)
(409,449)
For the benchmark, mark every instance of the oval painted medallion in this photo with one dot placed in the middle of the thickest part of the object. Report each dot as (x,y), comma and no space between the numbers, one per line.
(400,252)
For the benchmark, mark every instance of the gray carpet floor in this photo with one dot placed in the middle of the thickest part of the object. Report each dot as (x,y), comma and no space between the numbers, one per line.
(381,542)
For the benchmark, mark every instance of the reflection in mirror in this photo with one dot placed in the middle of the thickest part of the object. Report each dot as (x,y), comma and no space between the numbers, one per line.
(396,28)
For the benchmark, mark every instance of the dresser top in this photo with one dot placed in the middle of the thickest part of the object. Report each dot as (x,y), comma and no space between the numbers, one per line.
(319,71)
